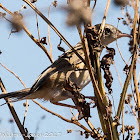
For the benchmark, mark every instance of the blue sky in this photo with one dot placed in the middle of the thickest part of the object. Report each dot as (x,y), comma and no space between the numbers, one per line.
(27,60)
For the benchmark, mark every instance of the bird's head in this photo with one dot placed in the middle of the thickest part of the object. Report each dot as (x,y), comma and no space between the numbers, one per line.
(110,34)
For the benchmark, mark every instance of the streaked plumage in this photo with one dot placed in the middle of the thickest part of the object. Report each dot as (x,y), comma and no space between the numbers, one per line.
(50,83)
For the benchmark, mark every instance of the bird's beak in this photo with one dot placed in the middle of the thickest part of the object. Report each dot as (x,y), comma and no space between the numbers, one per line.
(119,35)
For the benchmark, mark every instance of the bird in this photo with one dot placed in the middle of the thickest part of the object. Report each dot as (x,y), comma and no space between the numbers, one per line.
(49,86)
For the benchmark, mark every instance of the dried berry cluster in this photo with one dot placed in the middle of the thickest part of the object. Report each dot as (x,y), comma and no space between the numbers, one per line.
(129,19)
(129,130)
(106,61)
(92,34)
(94,44)
(131,42)
(121,2)
(16,22)
(79,100)
(78,13)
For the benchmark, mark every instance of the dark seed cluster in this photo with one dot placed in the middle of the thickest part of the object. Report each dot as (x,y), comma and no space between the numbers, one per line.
(106,62)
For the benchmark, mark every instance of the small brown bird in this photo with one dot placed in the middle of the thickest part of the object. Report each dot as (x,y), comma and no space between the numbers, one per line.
(51,82)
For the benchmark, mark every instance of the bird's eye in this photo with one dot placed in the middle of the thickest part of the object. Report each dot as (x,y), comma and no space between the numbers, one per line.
(107,30)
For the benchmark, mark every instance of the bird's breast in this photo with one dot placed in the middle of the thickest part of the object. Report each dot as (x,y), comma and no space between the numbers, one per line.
(80,76)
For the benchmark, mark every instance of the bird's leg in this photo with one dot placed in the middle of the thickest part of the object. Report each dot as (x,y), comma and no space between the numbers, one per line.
(93,100)
(65,105)
(91,97)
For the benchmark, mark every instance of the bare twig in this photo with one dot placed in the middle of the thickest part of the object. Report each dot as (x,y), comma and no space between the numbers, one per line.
(110,127)
(23,85)
(38,43)
(94,5)
(118,74)
(13,74)
(14,114)
(29,34)
(67,120)
(25,114)
(138,77)
(123,123)
(22,7)
(133,95)
(123,13)
(53,27)
(120,53)
(123,94)
(49,33)
(37,25)
(104,17)
(136,17)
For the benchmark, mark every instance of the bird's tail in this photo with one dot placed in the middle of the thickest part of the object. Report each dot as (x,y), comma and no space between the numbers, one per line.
(17,95)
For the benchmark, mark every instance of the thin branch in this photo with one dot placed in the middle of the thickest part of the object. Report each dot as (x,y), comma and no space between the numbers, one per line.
(23,85)
(37,25)
(119,78)
(110,127)
(136,17)
(38,43)
(122,87)
(13,74)
(67,120)
(54,28)
(120,53)
(14,114)
(138,77)
(123,123)
(124,91)
(104,17)
(26,109)
(29,34)
(94,5)
(123,13)
(123,94)
(22,7)
(49,33)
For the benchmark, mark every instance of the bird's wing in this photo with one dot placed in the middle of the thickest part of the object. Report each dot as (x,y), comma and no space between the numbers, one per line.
(66,62)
